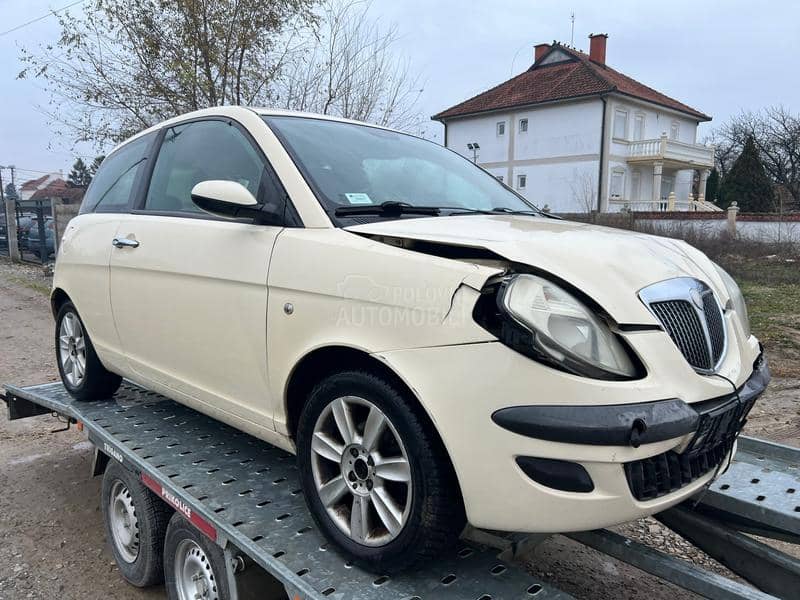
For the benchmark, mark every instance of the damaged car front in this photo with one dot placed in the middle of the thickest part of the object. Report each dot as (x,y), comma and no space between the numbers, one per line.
(578,376)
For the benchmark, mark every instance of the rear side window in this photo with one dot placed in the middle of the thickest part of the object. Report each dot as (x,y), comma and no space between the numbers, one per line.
(199,151)
(114,181)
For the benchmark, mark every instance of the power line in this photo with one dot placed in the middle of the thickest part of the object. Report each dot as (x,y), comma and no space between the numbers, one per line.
(37,19)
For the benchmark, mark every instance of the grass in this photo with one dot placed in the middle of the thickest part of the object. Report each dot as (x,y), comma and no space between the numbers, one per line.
(771,288)
(36,286)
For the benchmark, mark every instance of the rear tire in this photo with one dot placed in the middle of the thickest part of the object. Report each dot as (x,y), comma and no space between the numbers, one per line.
(135,522)
(388,500)
(194,566)
(82,373)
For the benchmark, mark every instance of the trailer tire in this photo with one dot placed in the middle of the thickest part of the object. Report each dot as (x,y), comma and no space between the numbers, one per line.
(194,566)
(73,346)
(135,522)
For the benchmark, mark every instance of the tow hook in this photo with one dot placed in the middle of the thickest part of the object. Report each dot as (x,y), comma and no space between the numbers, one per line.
(637,431)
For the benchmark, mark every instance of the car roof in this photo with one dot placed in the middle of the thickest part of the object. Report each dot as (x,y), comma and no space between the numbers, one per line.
(234,111)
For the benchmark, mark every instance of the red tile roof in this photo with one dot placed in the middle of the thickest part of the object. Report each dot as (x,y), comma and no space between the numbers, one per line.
(575,78)
(33,184)
(60,189)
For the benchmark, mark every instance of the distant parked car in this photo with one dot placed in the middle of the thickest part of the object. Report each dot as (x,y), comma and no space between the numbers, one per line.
(33,241)
(3,232)
(24,223)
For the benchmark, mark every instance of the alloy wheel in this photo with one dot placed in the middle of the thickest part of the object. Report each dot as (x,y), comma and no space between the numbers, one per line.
(72,349)
(361,471)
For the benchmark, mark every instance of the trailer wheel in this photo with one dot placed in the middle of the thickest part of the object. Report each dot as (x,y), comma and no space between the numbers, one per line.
(82,373)
(136,521)
(194,566)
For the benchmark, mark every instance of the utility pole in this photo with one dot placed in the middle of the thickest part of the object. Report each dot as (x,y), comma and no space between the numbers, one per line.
(11,219)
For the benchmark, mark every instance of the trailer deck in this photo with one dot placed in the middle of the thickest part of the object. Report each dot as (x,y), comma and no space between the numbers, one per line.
(244,494)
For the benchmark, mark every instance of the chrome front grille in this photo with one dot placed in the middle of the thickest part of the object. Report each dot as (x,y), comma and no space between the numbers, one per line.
(691,315)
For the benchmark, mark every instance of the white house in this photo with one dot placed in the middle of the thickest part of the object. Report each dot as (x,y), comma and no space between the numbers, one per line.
(29,188)
(576,135)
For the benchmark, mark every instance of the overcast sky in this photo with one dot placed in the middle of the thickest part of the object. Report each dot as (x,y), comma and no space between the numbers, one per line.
(719,57)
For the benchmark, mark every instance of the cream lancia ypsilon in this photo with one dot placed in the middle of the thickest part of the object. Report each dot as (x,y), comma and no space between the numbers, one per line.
(433,348)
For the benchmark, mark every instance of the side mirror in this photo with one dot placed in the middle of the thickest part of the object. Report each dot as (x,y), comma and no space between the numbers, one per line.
(226,199)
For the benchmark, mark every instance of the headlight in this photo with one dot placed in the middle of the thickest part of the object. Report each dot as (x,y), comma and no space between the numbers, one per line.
(737,300)
(563,330)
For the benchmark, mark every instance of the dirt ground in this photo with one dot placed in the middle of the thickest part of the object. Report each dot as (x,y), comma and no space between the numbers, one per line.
(52,542)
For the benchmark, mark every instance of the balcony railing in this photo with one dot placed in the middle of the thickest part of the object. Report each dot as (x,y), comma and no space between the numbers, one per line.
(665,149)
(668,204)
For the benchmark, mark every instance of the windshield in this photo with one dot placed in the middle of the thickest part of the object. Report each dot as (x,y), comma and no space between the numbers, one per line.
(350,165)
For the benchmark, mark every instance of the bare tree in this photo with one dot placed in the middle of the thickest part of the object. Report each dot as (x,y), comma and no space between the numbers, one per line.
(584,190)
(127,64)
(349,70)
(776,133)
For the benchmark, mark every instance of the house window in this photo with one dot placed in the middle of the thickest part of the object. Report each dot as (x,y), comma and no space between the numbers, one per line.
(523,125)
(522,181)
(617,185)
(501,128)
(621,124)
(636,186)
(638,127)
(673,130)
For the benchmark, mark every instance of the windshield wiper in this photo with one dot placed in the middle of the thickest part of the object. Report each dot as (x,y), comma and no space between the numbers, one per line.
(501,210)
(389,208)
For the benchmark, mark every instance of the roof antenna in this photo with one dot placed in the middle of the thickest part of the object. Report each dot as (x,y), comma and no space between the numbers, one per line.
(572,34)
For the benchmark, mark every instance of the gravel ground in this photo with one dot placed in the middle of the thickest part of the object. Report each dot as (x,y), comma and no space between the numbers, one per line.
(52,542)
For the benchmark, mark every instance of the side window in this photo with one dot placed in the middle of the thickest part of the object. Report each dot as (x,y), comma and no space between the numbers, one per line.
(111,187)
(199,151)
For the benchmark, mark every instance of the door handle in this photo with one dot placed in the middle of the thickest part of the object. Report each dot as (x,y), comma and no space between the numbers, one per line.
(124,243)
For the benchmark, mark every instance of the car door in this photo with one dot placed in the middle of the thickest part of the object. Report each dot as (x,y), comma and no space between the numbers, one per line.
(85,247)
(188,290)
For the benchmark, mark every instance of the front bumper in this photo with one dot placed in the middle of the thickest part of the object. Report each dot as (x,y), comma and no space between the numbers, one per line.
(473,382)
(713,425)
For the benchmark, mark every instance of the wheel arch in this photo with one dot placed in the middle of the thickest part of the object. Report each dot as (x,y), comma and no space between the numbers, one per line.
(327,360)
(57,299)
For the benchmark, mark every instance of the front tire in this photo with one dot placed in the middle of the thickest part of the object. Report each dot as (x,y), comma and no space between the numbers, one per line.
(82,373)
(375,475)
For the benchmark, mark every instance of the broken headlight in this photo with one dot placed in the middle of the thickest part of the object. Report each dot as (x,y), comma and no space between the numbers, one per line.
(737,302)
(555,327)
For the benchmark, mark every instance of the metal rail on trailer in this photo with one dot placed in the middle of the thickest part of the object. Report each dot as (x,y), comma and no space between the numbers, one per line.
(244,494)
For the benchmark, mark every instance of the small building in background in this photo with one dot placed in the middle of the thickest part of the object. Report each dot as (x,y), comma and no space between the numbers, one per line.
(30,187)
(575,135)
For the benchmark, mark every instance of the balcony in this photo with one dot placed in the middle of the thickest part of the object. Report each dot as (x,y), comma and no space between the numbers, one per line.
(671,153)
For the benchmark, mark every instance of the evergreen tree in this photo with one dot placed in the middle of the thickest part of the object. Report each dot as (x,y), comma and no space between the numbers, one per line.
(79,176)
(712,185)
(11,192)
(96,164)
(747,182)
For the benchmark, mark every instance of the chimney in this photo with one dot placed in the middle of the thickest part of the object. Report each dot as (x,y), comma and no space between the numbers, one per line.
(597,47)
(539,50)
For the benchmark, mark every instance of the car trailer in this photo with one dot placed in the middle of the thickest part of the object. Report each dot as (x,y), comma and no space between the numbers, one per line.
(232,505)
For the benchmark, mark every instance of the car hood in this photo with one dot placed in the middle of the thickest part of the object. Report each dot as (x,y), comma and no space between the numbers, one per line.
(609,265)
